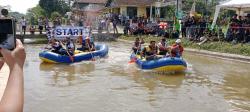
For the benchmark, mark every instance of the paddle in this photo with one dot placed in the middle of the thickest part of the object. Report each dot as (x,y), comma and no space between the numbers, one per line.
(133,60)
(71,57)
(92,57)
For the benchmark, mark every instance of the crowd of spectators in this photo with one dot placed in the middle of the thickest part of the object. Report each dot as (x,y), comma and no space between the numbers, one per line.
(109,21)
(40,25)
(239,29)
(196,29)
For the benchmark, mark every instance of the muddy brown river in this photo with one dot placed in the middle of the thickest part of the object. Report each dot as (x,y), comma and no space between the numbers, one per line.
(113,85)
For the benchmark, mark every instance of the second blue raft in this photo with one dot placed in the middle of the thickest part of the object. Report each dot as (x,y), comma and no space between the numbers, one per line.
(161,64)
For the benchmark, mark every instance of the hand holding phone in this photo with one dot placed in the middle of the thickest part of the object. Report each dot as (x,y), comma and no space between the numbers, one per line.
(7,33)
(15,57)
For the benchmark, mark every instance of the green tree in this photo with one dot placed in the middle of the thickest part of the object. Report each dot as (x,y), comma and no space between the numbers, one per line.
(54,15)
(33,20)
(34,13)
(170,12)
(204,7)
(16,15)
(50,6)
(37,11)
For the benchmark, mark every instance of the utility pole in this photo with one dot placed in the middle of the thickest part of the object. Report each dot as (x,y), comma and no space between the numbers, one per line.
(69,2)
(205,8)
(177,6)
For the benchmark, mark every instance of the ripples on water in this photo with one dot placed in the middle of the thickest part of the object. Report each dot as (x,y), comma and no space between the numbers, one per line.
(112,84)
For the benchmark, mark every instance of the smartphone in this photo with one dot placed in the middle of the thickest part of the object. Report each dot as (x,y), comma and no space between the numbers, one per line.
(7,34)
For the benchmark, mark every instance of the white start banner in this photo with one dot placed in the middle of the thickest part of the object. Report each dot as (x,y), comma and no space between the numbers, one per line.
(61,32)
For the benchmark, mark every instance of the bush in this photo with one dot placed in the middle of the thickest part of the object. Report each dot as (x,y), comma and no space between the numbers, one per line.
(54,15)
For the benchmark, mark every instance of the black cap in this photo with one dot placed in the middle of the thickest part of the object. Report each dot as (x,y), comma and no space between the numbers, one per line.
(4,12)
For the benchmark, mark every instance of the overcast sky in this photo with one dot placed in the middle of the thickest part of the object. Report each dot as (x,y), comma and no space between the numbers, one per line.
(19,5)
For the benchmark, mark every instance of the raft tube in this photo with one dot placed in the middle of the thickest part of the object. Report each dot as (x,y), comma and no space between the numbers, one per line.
(50,57)
(162,64)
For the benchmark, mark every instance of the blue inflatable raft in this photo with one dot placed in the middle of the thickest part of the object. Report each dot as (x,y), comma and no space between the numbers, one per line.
(161,64)
(50,57)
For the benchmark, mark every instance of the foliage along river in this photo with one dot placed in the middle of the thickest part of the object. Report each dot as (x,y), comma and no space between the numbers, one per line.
(113,85)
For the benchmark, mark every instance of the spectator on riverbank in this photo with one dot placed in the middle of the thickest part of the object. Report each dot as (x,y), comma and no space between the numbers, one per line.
(23,23)
(46,21)
(32,29)
(247,36)
(126,27)
(183,28)
(114,22)
(40,25)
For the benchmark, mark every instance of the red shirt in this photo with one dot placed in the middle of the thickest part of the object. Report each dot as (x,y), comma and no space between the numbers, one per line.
(175,49)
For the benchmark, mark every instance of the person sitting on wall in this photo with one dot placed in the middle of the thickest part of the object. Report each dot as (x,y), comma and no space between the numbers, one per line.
(177,49)
(175,34)
(32,30)
(221,35)
(206,36)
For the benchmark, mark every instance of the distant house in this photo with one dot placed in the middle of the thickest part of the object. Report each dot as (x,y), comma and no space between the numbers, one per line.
(87,9)
(137,8)
(131,8)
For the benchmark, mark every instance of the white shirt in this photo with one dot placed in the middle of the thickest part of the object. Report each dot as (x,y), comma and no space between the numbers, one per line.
(40,22)
(23,22)
(160,44)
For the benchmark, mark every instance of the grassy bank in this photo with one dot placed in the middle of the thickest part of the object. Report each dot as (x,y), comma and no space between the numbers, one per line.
(36,41)
(223,47)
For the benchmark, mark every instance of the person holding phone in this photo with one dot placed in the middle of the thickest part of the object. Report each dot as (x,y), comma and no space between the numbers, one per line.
(13,97)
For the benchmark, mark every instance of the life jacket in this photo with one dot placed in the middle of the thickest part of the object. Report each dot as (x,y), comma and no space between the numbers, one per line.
(178,51)
(137,44)
(86,43)
(70,45)
(56,46)
(163,25)
(164,44)
(150,51)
